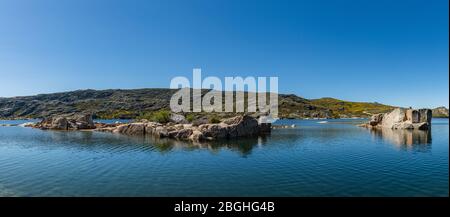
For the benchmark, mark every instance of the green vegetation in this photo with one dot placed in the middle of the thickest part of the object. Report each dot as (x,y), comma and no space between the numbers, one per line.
(440,112)
(340,108)
(440,116)
(213,120)
(161,116)
(190,117)
(118,114)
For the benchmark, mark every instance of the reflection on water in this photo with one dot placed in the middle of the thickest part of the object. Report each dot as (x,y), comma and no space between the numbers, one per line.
(406,139)
(105,141)
(416,140)
(335,158)
(243,146)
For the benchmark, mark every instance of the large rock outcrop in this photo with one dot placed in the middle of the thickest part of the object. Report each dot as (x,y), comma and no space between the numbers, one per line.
(131,129)
(401,118)
(240,126)
(69,122)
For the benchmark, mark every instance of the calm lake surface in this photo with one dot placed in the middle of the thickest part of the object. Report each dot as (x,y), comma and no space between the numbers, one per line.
(332,158)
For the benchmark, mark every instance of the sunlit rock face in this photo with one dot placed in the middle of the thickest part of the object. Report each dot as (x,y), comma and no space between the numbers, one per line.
(402,119)
(413,116)
(425,115)
(231,128)
(67,122)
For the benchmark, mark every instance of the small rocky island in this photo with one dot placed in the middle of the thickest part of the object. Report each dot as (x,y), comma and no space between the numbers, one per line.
(401,118)
(176,128)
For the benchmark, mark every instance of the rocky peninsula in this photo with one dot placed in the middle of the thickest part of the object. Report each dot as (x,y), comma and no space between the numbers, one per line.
(176,127)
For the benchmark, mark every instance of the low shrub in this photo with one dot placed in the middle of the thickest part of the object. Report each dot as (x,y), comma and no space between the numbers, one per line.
(190,118)
(213,120)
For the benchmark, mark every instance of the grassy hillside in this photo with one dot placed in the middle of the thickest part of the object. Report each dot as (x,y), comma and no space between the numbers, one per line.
(342,108)
(440,112)
(135,103)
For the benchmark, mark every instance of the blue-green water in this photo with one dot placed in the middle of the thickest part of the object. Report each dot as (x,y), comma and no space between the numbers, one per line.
(335,158)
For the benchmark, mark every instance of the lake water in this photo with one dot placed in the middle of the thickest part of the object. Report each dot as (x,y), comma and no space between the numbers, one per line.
(331,158)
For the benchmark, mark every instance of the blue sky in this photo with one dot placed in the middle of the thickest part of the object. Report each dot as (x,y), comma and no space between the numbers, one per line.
(392,52)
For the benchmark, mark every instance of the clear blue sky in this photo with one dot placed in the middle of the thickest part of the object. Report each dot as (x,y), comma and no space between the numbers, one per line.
(392,52)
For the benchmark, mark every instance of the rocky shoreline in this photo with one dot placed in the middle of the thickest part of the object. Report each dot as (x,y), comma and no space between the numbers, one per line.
(236,127)
(177,127)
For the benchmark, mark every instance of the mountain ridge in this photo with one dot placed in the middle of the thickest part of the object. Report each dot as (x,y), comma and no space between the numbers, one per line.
(133,103)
